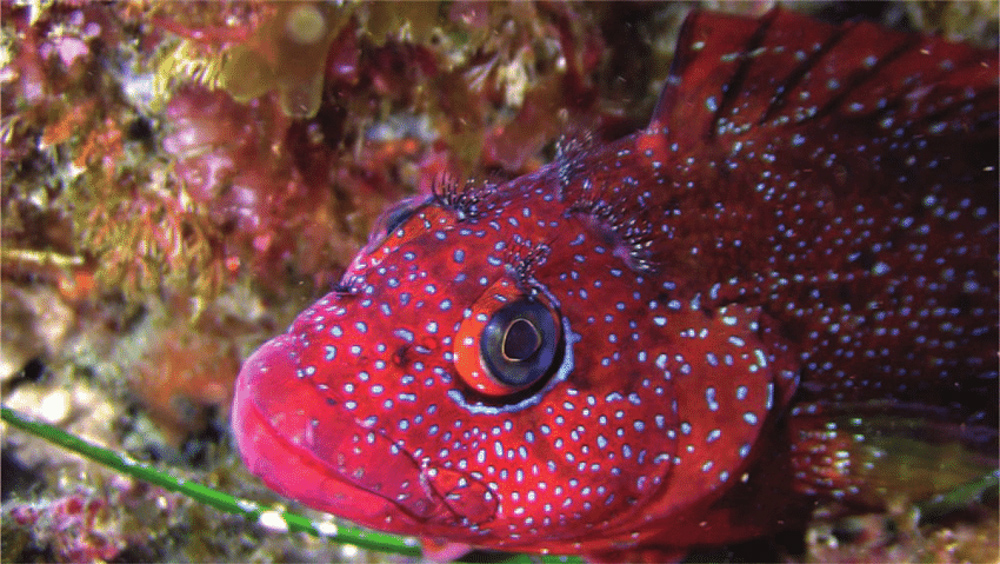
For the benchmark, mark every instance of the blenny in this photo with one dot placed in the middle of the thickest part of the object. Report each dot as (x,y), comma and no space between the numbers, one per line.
(675,339)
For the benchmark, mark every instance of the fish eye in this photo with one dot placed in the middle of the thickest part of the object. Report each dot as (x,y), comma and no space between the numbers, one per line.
(518,344)
(508,344)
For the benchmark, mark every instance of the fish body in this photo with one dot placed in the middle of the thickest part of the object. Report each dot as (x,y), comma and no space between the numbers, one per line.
(612,353)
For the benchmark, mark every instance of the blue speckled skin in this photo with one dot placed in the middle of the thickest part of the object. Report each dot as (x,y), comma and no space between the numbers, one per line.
(809,221)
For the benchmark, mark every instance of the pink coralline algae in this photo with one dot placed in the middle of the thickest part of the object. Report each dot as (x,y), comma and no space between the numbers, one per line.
(87,525)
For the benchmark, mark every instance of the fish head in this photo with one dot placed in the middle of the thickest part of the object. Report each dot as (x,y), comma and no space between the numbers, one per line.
(497,375)
(438,391)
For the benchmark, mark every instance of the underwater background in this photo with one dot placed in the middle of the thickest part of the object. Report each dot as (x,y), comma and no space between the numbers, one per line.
(180,179)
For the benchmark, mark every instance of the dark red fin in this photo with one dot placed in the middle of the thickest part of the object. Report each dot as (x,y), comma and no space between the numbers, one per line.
(841,178)
(844,177)
(732,75)
(762,117)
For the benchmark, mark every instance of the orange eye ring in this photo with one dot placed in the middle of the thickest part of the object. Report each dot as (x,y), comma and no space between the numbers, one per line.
(509,342)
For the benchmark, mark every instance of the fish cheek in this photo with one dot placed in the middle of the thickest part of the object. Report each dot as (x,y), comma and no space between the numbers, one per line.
(682,389)
(732,378)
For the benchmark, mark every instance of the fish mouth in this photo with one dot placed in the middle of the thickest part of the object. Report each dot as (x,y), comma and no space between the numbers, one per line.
(303,444)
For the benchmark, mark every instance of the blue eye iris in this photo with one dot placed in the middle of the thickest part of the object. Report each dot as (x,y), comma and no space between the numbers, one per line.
(519,343)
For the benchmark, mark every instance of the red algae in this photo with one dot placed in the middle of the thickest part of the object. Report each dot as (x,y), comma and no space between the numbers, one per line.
(184,378)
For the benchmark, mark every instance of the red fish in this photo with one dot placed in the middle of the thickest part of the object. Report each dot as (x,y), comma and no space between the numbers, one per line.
(631,348)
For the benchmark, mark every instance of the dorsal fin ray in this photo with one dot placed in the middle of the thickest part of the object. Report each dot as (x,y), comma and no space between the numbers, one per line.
(839,112)
(796,159)
(731,73)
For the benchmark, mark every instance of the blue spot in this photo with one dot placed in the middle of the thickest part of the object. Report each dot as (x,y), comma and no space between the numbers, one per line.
(710,399)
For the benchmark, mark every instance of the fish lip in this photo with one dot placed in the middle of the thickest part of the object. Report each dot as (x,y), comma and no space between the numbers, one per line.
(277,438)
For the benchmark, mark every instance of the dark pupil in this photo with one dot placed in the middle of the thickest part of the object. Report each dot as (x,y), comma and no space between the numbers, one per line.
(520,341)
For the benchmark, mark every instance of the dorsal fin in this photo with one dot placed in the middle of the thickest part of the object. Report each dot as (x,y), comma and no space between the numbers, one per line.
(732,75)
(841,177)
(843,116)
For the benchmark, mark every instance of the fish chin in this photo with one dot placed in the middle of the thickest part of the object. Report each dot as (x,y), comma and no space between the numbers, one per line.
(337,464)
